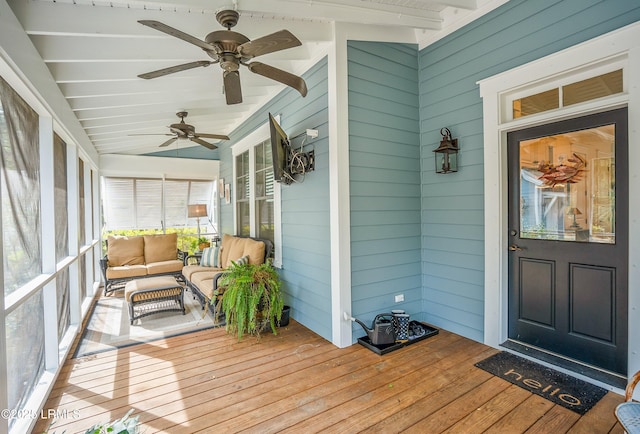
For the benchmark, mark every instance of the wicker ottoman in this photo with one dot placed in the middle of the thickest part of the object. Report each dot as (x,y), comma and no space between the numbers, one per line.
(153,295)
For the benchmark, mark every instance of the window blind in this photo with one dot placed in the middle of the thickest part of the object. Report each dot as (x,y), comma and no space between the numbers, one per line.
(141,203)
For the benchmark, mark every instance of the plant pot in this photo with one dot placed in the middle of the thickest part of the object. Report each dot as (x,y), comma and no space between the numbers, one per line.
(284,319)
(203,246)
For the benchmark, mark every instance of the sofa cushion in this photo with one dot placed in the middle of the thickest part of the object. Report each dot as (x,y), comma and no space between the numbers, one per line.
(126,271)
(125,251)
(188,270)
(159,283)
(162,267)
(206,288)
(210,257)
(198,278)
(159,248)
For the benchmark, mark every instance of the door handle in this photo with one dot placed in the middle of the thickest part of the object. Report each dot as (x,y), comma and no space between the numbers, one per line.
(515,248)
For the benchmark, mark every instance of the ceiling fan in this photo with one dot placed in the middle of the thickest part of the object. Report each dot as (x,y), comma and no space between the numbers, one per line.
(185,131)
(231,49)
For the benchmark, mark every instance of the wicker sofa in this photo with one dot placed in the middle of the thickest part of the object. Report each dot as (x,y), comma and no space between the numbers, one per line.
(203,280)
(138,257)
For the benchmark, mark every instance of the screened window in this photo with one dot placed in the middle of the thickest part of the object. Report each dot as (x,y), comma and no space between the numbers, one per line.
(25,350)
(61,230)
(21,249)
(82,204)
(20,166)
(138,203)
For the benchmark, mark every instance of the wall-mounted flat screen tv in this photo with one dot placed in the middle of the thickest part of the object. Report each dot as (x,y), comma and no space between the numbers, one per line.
(280,151)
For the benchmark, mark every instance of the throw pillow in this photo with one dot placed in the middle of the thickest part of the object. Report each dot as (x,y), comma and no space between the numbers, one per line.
(242,261)
(210,257)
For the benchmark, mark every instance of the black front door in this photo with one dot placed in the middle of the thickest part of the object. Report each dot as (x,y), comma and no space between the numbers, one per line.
(568,239)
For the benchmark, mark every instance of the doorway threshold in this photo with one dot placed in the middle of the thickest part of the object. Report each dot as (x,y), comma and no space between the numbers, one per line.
(606,377)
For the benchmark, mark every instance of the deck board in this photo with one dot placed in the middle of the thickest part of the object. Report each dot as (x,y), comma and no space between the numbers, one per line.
(298,382)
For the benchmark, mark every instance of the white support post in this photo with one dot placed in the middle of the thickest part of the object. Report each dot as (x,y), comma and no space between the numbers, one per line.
(75,313)
(48,247)
(339,212)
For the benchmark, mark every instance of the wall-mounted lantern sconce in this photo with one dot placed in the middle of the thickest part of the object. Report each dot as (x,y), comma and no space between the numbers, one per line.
(447,153)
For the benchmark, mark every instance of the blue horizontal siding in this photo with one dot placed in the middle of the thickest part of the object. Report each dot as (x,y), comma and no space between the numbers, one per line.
(518,32)
(306,270)
(384,173)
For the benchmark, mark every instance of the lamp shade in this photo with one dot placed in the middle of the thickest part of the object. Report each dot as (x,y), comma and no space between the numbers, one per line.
(197,210)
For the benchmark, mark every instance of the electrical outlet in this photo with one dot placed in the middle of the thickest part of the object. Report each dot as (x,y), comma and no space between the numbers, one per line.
(399,298)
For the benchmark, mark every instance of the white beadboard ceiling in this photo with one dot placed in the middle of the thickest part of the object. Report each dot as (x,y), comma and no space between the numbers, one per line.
(95,49)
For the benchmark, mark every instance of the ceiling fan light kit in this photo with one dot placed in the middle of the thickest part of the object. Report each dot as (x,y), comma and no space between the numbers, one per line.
(231,49)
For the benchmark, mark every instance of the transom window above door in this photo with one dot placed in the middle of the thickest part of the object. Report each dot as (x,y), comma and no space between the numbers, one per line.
(589,89)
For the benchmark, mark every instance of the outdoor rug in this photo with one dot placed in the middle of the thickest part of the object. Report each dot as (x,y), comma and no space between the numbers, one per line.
(557,387)
(108,327)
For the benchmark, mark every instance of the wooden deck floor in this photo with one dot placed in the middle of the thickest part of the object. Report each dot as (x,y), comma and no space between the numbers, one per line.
(297,382)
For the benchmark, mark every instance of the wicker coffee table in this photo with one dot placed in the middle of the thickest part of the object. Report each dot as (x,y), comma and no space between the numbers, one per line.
(153,295)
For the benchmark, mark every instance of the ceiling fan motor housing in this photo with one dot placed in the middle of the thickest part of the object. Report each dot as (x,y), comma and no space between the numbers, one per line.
(230,49)
(228,18)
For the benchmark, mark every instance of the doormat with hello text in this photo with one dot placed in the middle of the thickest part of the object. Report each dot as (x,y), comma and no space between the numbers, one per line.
(557,387)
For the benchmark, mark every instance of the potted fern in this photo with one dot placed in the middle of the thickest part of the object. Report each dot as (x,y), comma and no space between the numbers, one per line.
(252,298)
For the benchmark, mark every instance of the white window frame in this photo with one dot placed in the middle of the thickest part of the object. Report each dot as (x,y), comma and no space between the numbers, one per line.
(259,135)
(616,49)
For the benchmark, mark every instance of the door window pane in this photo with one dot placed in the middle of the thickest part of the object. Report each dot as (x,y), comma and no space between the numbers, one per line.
(567,186)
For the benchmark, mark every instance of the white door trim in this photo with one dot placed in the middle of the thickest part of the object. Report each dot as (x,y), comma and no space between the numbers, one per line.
(622,45)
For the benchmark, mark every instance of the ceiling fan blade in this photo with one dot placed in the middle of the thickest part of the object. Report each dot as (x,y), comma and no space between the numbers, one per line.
(232,88)
(276,74)
(203,143)
(176,68)
(157,25)
(268,44)
(212,136)
(168,142)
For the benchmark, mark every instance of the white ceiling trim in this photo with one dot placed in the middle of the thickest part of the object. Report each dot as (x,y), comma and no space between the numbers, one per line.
(95,50)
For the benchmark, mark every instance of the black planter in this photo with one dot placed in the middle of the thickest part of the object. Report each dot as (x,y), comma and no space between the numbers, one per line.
(284,319)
